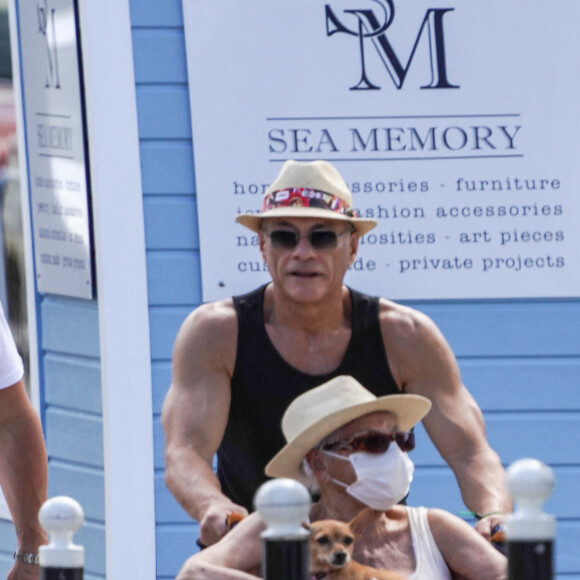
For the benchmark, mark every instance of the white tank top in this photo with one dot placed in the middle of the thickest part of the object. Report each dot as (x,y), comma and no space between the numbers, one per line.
(430,562)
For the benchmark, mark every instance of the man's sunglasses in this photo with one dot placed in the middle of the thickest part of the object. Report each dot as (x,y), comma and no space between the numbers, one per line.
(375,442)
(319,239)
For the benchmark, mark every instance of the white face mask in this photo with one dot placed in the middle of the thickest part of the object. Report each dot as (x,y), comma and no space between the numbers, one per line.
(382,480)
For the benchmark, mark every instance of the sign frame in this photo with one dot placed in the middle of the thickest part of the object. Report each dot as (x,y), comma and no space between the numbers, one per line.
(57,148)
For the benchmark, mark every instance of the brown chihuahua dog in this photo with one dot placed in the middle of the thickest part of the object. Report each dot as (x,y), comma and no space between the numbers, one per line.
(331,545)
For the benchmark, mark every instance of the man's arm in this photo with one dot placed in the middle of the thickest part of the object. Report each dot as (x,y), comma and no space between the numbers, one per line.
(23,472)
(195,414)
(423,363)
(237,556)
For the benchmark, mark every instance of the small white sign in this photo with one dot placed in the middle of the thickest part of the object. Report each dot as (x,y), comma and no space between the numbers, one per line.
(55,139)
(454,123)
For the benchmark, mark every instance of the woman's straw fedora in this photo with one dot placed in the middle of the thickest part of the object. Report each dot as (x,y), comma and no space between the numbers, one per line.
(319,412)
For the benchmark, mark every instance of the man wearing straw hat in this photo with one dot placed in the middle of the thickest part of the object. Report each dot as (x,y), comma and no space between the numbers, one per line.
(238,363)
(354,446)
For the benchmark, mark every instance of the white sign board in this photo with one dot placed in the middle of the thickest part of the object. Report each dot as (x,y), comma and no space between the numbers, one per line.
(55,139)
(453,122)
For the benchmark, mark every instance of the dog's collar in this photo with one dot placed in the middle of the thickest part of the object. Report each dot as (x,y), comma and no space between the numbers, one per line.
(319,575)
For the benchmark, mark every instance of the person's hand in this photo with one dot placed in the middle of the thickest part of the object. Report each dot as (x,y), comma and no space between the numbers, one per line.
(488,525)
(214,522)
(22,571)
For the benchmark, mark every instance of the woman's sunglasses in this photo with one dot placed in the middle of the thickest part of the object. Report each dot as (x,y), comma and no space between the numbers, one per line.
(319,239)
(375,442)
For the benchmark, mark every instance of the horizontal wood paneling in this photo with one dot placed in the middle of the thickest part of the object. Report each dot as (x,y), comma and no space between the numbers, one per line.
(73,423)
(70,326)
(520,359)
(153,49)
(171,224)
(553,342)
(550,437)
(165,322)
(172,278)
(152,13)
(167,509)
(175,543)
(159,443)
(520,383)
(86,485)
(92,537)
(567,542)
(73,382)
(514,329)
(8,543)
(163,112)
(161,379)
(523,384)
(6,562)
(437,487)
(75,437)
(167,167)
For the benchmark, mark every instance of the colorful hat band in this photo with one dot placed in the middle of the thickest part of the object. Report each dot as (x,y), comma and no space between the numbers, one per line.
(304,197)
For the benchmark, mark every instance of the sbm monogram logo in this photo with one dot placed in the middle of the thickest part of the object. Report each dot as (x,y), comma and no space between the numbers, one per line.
(46,27)
(370,29)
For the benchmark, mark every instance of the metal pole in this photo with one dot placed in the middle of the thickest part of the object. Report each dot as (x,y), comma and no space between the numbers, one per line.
(530,533)
(61,517)
(284,505)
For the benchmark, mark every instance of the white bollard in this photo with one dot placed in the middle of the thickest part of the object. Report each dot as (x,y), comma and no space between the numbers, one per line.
(530,533)
(61,559)
(284,505)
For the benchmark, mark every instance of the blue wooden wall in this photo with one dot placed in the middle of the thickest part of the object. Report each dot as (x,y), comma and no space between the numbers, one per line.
(170,229)
(520,359)
(72,418)
(70,365)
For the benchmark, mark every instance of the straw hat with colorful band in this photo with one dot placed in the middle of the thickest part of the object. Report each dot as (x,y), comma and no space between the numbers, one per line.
(310,189)
(319,412)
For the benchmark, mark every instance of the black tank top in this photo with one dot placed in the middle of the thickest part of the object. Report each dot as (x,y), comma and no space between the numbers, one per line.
(264,384)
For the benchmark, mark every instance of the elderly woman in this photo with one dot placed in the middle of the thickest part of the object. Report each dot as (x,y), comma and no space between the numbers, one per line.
(354,447)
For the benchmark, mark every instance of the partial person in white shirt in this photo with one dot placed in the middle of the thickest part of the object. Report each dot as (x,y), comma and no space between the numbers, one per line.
(354,448)
(23,462)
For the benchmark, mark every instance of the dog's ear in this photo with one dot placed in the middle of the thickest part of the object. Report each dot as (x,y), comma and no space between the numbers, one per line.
(306,526)
(362,520)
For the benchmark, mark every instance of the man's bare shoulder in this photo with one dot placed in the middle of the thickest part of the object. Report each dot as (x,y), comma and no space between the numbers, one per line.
(210,328)
(403,322)
(418,354)
(213,317)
